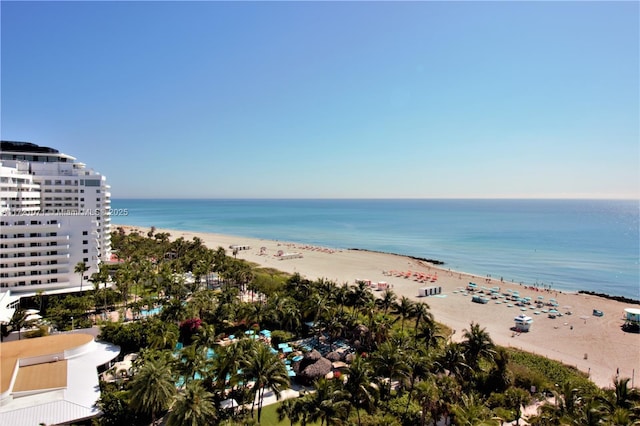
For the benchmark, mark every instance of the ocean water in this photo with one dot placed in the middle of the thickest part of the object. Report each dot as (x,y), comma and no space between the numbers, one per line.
(567,244)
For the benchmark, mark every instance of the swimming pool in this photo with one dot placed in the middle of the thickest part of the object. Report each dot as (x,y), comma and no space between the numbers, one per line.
(149,312)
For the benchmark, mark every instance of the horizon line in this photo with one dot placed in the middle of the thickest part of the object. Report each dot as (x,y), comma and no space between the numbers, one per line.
(387,198)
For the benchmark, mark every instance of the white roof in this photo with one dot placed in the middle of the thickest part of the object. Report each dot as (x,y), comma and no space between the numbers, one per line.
(632,311)
(6,299)
(75,402)
(523,318)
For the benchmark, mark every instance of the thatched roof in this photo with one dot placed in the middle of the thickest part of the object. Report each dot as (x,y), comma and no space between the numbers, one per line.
(334,356)
(313,355)
(316,370)
(349,358)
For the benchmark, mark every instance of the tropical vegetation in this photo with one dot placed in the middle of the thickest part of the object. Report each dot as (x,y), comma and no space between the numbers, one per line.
(404,368)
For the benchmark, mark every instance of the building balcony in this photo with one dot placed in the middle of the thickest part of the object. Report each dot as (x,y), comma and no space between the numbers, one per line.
(60,248)
(27,239)
(60,257)
(13,270)
(12,281)
(28,227)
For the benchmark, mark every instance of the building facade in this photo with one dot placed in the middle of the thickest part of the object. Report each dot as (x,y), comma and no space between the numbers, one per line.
(54,214)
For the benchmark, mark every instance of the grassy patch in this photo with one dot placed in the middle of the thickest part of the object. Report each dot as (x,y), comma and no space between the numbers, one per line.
(544,372)
(270,417)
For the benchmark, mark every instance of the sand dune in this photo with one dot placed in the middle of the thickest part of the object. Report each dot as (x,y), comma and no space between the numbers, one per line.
(596,345)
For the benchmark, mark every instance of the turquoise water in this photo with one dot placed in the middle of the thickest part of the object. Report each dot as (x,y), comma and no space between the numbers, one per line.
(568,244)
(148,312)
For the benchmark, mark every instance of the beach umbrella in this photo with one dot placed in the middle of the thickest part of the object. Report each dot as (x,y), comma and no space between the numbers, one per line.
(249,332)
(229,403)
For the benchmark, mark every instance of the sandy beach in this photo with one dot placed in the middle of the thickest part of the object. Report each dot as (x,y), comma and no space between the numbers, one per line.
(595,345)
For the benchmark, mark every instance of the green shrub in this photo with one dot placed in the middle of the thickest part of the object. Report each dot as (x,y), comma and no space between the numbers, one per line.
(41,331)
(530,369)
(280,336)
(397,407)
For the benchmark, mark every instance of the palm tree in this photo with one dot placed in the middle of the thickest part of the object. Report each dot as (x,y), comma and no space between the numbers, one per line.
(389,362)
(516,399)
(152,388)
(471,411)
(428,395)
(194,407)
(567,402)
(419,365)
(266,370)
(361,392)
(194,361)
(428,334)
(387,301)
(477,344)
(619,402)
(453,361)
(330,402)
(405,308)
(100,277)
(81,268)
(421,313)
(161,335)
(622,395)
(123,278)
(360,295)
(380,327)
(18,320)
(206,337)
(203,303)
(292,409)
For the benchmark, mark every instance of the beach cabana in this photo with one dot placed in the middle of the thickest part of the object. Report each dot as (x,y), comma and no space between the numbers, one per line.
(429,291)
(632,315)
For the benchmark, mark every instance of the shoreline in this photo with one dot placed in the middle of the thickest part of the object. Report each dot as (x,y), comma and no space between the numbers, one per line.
(595,345)
(565,287)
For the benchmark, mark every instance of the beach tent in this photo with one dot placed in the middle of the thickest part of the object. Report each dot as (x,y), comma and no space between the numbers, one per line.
(429,291)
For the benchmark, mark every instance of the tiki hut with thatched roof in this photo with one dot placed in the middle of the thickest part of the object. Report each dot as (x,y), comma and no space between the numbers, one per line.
(312,367)
(334,356)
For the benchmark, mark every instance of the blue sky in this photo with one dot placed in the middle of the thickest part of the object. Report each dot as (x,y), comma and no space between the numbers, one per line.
(331,100)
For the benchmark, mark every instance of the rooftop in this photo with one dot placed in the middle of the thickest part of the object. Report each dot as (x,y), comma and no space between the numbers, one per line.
(13,146)
(52,379)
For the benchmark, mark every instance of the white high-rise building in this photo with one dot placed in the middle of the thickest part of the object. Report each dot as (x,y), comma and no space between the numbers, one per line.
(54,214)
